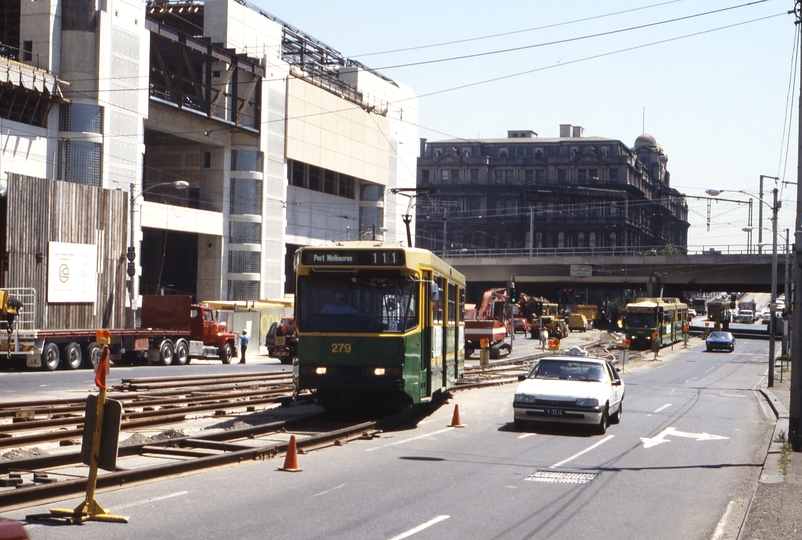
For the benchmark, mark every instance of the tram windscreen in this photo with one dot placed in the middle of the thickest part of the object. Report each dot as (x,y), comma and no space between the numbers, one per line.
(353,304)
(641,320)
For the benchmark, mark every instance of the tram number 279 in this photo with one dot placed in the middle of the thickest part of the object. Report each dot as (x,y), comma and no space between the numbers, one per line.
(337,348)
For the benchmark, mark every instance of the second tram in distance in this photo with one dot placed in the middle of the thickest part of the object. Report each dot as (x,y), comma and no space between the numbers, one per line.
(664,317)
(377,321)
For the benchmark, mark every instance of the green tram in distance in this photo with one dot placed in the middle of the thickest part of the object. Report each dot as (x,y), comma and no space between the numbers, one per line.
(663,316)
(377,322)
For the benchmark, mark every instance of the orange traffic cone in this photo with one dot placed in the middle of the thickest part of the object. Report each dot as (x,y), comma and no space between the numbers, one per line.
(291,459)
(455,422)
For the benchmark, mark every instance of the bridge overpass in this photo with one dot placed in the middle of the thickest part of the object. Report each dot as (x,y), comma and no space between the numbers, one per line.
(651,271)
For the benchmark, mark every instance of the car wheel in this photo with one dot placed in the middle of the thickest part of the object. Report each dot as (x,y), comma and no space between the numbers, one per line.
(227,353)
(616,418)
(518,423)
(181,352)
(709,349)
(601,429)
(72,356)
(50,357)
(94,352)
(166,352)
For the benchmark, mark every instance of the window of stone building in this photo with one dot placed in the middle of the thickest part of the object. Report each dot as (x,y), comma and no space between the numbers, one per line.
(444,175)
(474,206)
(474,176)
(520,151)
(27,50)
(539,240)
(330,182)
(529,151)
(498,205)
(346,186)
(498,176)
(455,175)
(297,174)
(246,160)
(593,175)
(538,152)
(502,153)
(508,176)
(529,175)
(424,176)
(583,176)
(592,240)
(613,209)
(614,175)
(314,178)
(561,176)
(369,191)
(561,239)
(580,240)
(612,240)
(509,206)
(540,176)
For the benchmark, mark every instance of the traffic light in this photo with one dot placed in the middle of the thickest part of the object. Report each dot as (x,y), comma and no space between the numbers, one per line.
(513,295)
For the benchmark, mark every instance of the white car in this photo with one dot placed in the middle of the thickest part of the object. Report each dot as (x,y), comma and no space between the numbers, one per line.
(572,388)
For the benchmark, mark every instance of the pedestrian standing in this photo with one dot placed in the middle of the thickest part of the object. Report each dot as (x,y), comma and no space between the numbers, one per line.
(243,343)
(544,338)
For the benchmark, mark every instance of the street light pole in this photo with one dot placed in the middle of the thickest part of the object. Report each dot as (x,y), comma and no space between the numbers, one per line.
(760,214)
(773,303)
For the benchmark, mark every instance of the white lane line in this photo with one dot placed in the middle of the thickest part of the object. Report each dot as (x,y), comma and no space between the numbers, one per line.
(525,435)
(588,449)
(411,439)
(329,490)
(722,524)
(666,406)
(419,528)
(154,499)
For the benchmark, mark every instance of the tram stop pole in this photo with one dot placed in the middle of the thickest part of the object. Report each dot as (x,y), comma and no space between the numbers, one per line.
(99,457)
(484,353)
(624,354)
(655,344)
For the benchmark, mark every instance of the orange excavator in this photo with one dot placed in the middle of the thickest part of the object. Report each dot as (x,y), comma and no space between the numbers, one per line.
(490,321)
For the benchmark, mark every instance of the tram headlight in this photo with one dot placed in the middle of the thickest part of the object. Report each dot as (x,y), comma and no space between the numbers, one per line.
(379,371)
(320,371)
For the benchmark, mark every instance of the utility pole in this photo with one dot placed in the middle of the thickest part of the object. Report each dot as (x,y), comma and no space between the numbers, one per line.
(794,427)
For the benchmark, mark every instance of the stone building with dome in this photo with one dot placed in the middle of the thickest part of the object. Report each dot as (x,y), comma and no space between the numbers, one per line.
(570,194)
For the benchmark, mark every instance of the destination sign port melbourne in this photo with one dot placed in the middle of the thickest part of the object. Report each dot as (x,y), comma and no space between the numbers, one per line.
(362,257)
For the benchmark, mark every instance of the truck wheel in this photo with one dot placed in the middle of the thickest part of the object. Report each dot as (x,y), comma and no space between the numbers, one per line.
(72,356)
(50,357)
(227,353)
(181,353)
(166,353)
(93,353)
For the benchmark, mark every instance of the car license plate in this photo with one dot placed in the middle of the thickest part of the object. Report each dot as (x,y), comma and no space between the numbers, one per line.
(279,340)
(554,412)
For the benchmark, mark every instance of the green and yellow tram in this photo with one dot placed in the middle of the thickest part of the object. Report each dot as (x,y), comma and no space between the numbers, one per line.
(377,321)
(660,317)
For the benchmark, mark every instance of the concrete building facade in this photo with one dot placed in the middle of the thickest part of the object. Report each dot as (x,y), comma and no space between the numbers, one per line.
(571,193)
(234,136)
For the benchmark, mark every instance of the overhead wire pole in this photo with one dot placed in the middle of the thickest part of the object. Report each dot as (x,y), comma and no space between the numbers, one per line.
(795,410)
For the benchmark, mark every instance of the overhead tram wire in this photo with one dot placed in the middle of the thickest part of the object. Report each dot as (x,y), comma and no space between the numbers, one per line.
(506,34)
(571,40)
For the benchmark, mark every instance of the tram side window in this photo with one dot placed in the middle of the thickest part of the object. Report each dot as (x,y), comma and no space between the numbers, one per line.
(452,303)
(437,307)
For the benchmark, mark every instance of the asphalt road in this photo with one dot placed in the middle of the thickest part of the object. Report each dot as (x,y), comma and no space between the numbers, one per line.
(682,464)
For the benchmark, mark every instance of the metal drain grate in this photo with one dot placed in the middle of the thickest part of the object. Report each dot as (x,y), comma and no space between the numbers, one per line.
(562,477)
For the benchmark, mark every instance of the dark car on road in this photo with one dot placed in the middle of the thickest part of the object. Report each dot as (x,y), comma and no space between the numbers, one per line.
(720,341)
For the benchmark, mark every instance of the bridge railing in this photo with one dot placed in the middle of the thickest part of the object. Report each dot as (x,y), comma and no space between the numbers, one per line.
(602,251)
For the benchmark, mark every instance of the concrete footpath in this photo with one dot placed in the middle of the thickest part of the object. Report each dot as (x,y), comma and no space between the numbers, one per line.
(776,508)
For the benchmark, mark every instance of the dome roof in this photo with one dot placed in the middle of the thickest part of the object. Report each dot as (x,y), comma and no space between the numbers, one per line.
(645,140)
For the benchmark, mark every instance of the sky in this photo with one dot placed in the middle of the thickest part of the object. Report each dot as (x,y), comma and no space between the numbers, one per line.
(714,81)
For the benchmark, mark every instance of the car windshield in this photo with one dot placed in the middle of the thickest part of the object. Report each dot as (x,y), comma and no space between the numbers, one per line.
(568,370)
(363,303)
(719,335)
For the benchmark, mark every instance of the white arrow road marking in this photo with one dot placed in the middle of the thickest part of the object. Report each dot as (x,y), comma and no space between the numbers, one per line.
(660,438)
